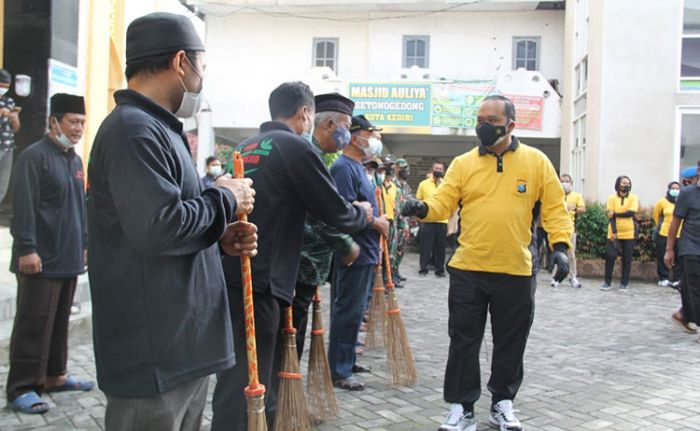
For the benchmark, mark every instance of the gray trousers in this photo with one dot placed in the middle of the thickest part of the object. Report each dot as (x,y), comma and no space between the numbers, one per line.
(5,170)
(179,409)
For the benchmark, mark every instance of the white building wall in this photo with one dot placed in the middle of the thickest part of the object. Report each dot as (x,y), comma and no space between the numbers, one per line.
(248,54)
(640,67)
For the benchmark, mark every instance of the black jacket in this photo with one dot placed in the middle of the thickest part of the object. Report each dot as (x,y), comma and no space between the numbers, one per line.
(289,179)
(49,209)
(160,310)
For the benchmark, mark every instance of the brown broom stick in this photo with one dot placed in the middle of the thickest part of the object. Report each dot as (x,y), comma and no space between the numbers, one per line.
(321,397)
(292,414)
(254,392)
(400,365)
(375,339)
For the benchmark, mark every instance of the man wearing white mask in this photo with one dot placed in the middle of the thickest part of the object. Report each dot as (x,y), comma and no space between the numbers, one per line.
(161,322)
(48,228)
(575,205)
(214,171)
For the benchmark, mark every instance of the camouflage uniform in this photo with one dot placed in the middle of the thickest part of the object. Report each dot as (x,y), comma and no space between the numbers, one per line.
(318,245)
(404,193)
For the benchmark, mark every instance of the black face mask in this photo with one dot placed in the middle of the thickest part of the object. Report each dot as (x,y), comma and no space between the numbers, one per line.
(625,189)
(438,174)
(403,174)
(489,134)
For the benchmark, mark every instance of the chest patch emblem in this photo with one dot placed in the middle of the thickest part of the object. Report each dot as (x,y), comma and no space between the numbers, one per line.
(521,185)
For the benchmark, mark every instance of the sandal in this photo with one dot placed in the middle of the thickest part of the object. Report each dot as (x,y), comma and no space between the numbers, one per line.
(351,383)
(29,403)
(72,384)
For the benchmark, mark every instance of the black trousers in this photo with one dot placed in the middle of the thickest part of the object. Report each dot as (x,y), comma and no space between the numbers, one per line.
(229,403)
(303,296)
(433,239)
(690,286)
(510,300)
(661,269)
(39,341)
(626,247)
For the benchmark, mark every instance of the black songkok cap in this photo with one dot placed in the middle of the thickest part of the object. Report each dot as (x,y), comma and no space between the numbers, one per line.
(334,102)
(158,34)
(62,103)
(361,123)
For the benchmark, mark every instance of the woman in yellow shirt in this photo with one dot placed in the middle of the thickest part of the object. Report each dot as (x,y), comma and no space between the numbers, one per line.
(622,231)
(663,213)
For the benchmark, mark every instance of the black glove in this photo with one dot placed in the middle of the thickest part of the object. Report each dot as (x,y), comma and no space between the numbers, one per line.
(414,208)
(561,260)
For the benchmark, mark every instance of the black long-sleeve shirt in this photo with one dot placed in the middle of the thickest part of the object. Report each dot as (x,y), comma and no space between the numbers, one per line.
(49,209)
(160,310)
(289,179)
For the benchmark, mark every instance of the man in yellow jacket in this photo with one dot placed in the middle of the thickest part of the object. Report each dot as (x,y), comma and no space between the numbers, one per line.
(502,186)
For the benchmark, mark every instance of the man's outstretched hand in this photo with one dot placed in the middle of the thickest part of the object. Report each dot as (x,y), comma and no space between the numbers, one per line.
(414,208)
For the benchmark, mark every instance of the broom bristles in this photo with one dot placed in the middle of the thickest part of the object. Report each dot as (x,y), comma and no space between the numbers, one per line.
(375,339)
(292,414)
(321,397)
(256,413)
(399,358)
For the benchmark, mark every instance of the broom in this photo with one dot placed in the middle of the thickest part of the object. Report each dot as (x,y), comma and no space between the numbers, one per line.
(376,324)
(322,403)
(291,401)
(254,392)
(402,370)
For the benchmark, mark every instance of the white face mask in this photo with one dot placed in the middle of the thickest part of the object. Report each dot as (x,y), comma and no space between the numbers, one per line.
(376,146)
(3,91)
(62,138)
(215,170)
(566,186)
(191,102)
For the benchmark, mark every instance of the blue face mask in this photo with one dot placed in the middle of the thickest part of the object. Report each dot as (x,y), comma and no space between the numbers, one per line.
(308,137)
(341,136)
(674,193)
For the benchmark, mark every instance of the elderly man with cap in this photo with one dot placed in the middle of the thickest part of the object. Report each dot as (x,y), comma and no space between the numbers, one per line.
(9,125)
(161,320)
(331,134)
(352,283)
(291,181)
(48,228)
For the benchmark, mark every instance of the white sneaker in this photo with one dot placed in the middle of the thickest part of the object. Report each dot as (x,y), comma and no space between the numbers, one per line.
(664,283)
(575,283)
(503,417)
(554,283)
(458,420)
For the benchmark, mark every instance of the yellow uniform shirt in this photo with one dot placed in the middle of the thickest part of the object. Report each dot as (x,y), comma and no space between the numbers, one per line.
(389,194)
(625,225)
(426,190)
(664,208)
(498,197)
(573,198)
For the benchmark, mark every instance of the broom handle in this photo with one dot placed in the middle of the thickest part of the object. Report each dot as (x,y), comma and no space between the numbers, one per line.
(385,249)
(289,325)
(248,309)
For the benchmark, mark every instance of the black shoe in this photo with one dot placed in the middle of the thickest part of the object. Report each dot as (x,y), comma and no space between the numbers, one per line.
(360,369)
(423,272)
(440,274)
(401,277)
(351,383)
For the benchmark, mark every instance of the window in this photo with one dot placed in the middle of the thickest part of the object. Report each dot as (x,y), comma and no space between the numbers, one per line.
(578,155)
(415,51)
(690,46)
(690,138)
(326,53)
(582,76)
(526,53)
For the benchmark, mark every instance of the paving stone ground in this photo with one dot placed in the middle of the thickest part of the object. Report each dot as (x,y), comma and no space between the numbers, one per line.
(595,361)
